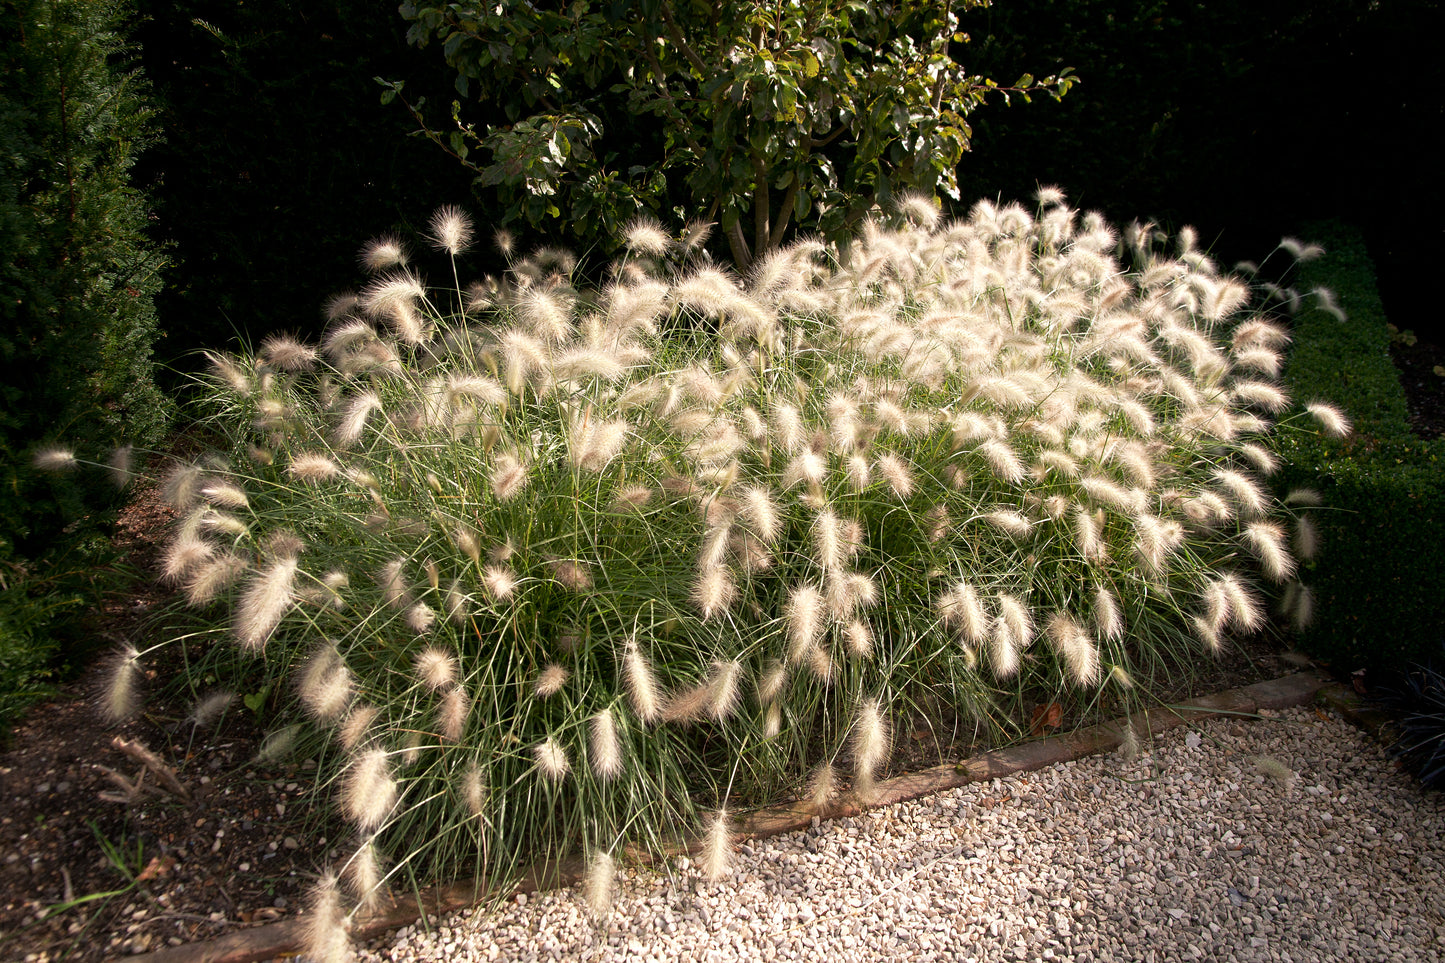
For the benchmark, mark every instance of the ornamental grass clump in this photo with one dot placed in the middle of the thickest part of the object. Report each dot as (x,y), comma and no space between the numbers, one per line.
(559,570)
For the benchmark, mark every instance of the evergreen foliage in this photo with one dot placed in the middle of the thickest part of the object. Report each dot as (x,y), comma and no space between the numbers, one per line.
(77,322)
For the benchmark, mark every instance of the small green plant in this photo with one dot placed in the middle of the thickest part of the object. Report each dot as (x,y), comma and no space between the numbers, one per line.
(534,568)
(126,857)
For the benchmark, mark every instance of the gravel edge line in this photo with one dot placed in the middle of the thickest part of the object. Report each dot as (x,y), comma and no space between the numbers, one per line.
(277,939)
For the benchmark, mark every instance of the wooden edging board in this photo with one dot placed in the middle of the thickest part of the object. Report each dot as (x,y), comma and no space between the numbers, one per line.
(285,938)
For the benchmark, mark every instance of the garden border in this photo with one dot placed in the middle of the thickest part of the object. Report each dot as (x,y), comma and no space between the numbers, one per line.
(278,939)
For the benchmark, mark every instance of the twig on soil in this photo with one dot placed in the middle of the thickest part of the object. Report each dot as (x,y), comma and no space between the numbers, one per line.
(133,790)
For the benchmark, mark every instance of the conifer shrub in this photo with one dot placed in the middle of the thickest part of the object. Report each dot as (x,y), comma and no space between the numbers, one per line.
(537,569)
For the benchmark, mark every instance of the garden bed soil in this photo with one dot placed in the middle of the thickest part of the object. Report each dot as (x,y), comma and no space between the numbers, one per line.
(240,851)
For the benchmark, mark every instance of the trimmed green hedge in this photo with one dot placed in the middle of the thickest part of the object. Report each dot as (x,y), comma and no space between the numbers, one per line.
(1380,575)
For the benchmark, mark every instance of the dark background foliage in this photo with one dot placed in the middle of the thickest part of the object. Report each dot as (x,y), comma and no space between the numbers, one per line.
(1244,119)
(279,160)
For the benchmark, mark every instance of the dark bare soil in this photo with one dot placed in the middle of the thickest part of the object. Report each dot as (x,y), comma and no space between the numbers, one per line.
(86,878)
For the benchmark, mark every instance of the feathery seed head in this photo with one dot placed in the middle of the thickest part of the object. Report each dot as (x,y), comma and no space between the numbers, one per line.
(1003,650)
(1275,771)
(356,729)
(870,744)
(717,849)
(1243,490)
(572,574)
(772,720)
(1010,522)
(122,696)
(962,608)
(119,466)
(807,467)
(1129,745)
(508,477)
(208,710)
(646,237)
(1015,615)
(421,617)
(1302,607)
(1075,648)
(896,473)
(772,681)
(1108,620)
(184,555)
(600,883)
(605,748)
(804,613)
(54,459)
(326,684)
(474,790)
(325,936)
(364,877)
(451,230)
(641,686)
(859,639)
(550,681)
(436,668)
(392,582)
(264,603)
(288,354)
(452,713)
(723,690)
(383,253)
(1267,541)
(1331,420)
(278,744)
(761,513)
(714,591)
(823,786)
(552,759)
(1246,613)
(369,792)
(500,582)
(828,550)
(1306,538)
(313,468)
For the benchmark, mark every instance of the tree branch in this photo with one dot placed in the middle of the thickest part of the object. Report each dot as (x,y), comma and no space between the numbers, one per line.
(813,142)
(681,42)
(785,213)
(739,244)
(677,115)
(762,230)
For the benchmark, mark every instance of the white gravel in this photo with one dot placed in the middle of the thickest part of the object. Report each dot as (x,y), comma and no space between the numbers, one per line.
(1189,852)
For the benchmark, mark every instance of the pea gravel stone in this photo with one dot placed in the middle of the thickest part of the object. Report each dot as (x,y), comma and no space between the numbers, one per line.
(1290,839)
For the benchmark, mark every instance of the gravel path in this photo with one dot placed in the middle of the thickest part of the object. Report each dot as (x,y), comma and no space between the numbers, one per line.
(1195,850)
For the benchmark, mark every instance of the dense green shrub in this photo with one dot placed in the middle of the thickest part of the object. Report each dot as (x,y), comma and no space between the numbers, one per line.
(534,568)
(1379,581)
(76,285)
(76,320)
(762,117)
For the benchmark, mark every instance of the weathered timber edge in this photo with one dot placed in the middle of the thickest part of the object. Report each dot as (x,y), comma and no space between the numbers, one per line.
(278,939)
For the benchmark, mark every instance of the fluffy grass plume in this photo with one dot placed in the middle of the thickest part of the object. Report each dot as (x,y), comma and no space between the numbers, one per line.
(582,559)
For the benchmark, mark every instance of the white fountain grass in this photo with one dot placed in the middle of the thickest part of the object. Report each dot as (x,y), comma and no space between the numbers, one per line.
(560,573)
